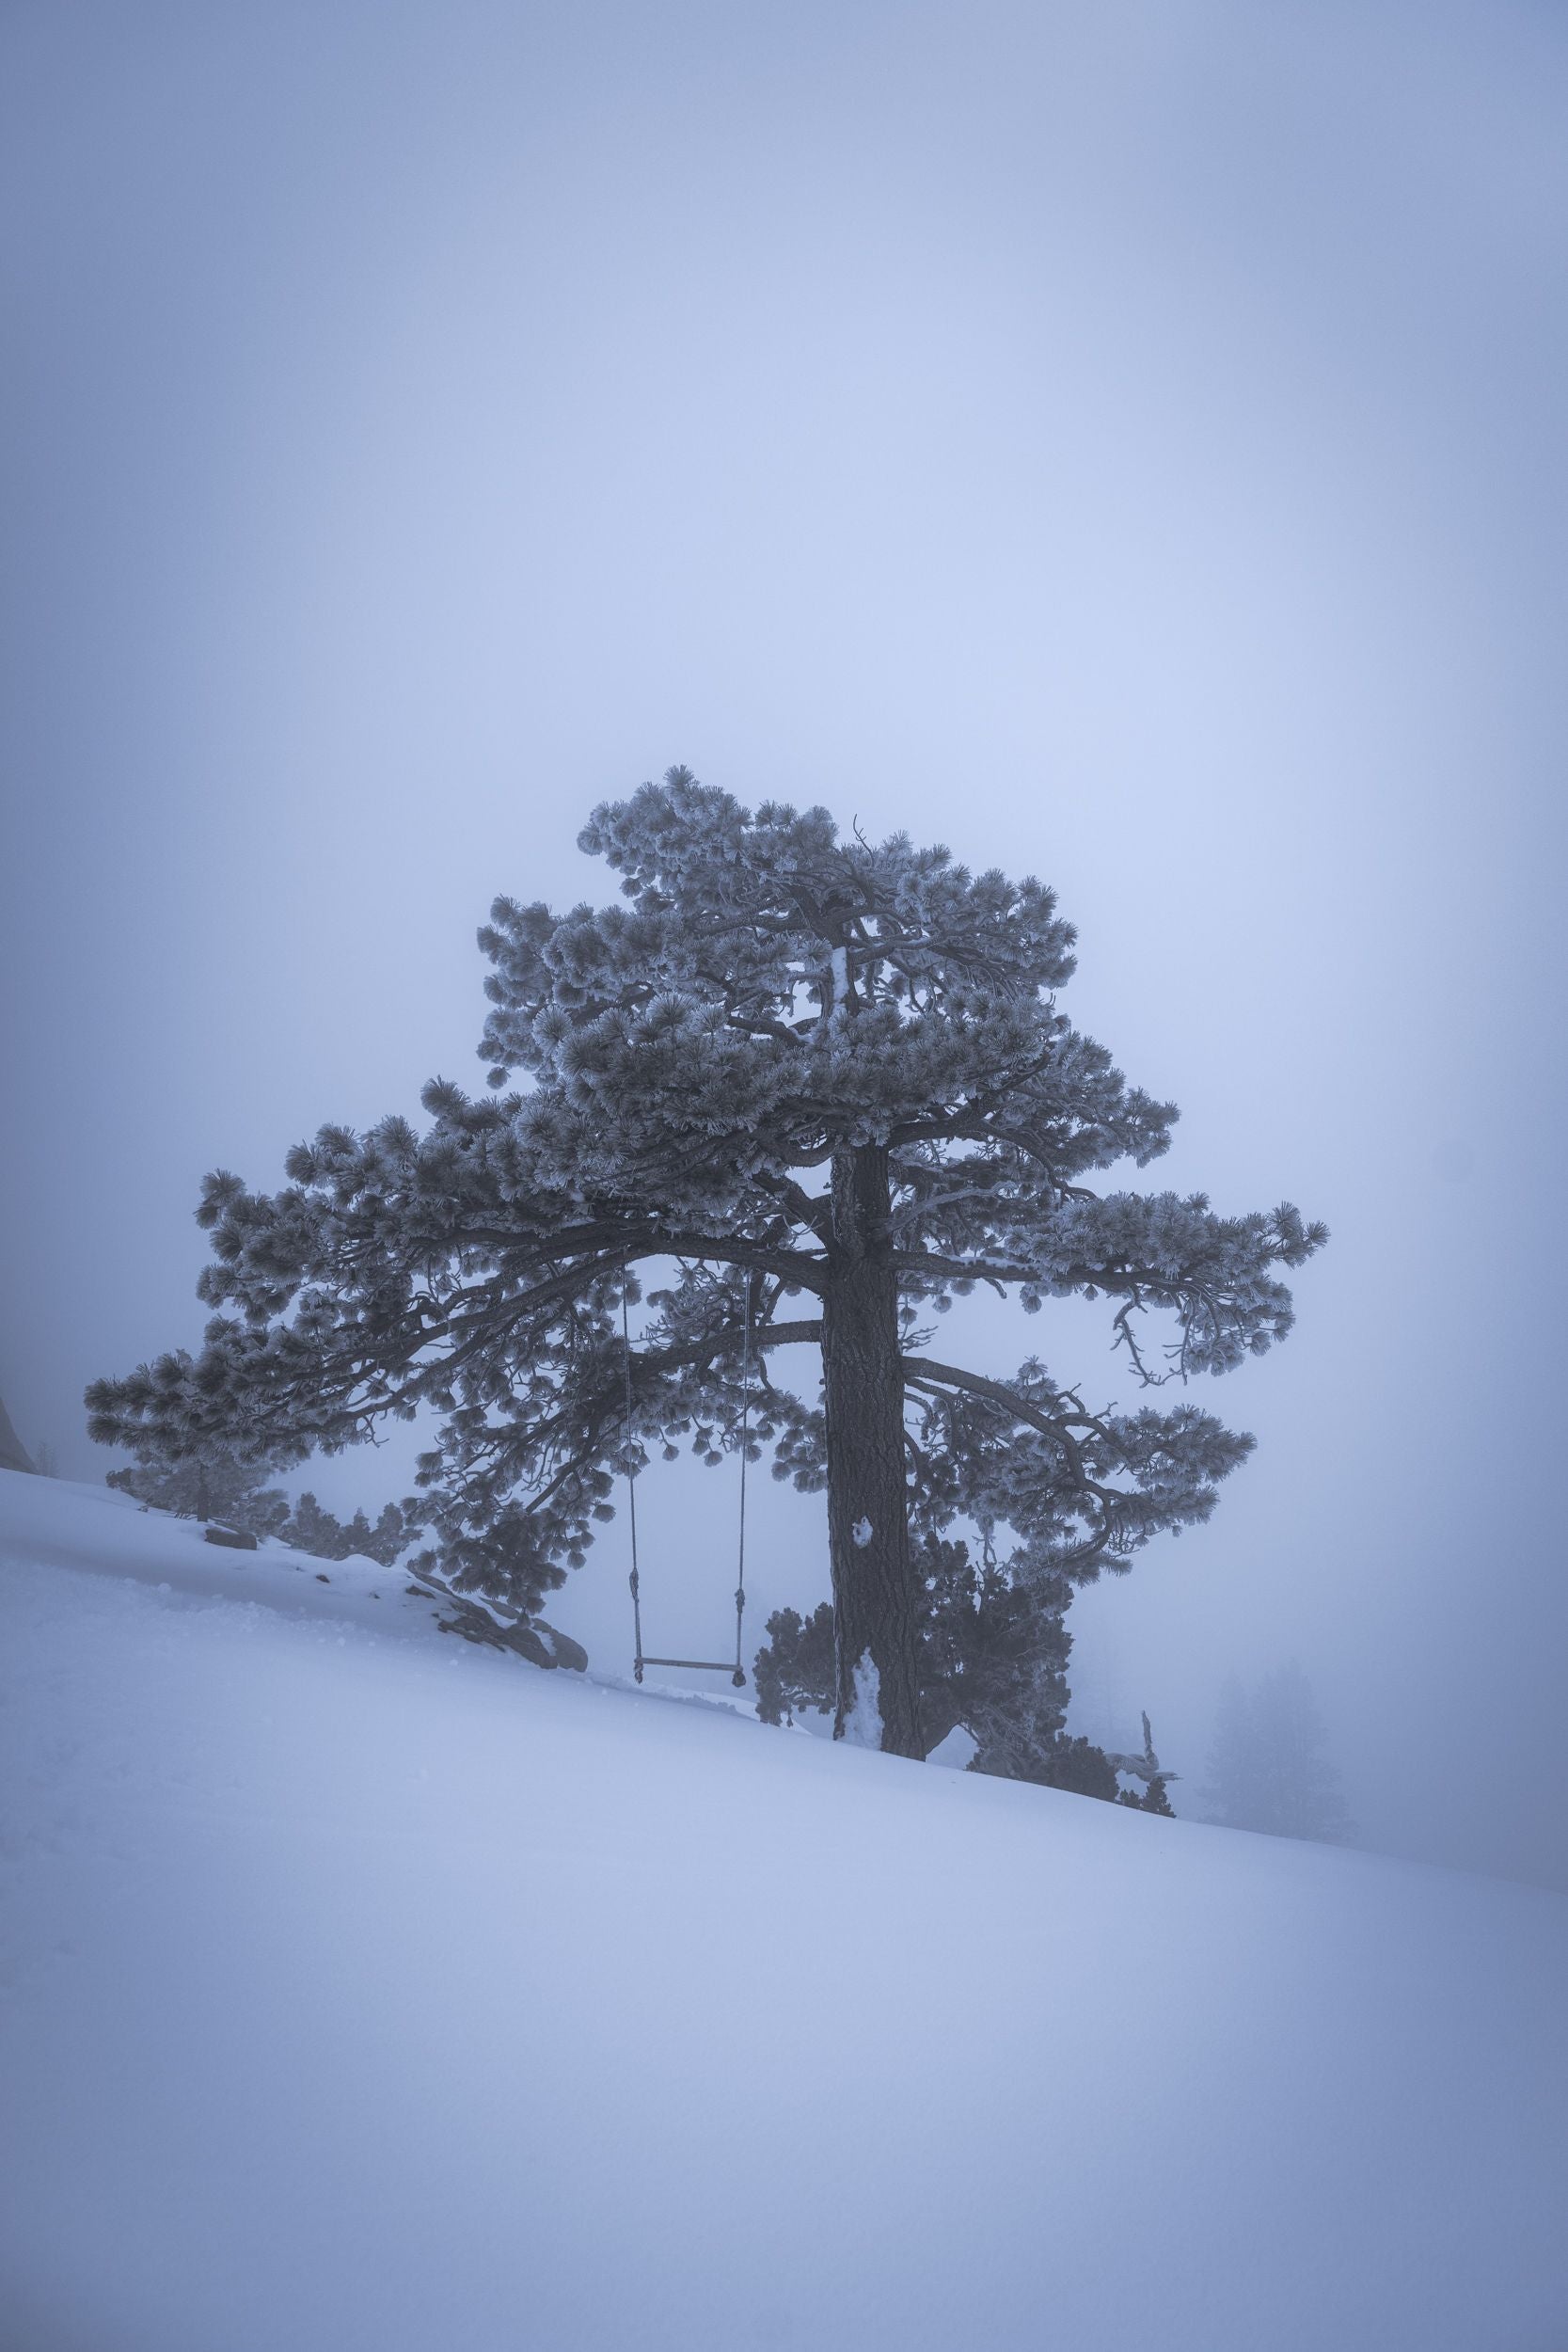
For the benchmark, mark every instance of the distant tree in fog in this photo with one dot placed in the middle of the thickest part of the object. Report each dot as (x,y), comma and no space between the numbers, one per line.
(1269,1769)
(214,1484)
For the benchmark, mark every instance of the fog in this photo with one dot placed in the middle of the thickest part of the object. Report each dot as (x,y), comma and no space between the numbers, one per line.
(1124,443)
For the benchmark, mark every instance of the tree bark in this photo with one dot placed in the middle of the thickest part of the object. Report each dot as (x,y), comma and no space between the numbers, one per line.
(876,1631)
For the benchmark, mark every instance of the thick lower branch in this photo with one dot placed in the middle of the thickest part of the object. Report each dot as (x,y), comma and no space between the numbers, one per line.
(921,1371)
(804,1270)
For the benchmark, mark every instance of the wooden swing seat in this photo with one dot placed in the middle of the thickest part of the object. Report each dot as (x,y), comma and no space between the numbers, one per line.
(697,1665)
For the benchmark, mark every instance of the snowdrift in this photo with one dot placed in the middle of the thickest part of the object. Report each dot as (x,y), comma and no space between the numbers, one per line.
(361,1988)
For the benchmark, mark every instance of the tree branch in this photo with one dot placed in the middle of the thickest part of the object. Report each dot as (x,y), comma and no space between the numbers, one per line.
(921,1372)
(801,1267)
(961,1269)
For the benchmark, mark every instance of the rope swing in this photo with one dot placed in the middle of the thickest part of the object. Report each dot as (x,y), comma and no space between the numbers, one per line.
(692,1665)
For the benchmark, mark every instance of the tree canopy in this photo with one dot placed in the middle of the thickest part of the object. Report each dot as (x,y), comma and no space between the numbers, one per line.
(819,1087)
(1269,1765)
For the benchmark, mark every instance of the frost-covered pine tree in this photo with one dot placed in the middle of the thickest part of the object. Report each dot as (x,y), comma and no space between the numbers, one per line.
(213,1483)
(310,1528)
(822,1086)
(1269,1767)
(1230,1785)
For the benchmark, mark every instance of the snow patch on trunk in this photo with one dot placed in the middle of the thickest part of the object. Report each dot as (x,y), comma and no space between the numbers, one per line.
(863,1726)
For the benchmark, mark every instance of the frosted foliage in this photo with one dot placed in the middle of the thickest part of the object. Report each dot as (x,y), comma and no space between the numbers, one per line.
(993,1654)
(214,1484)
(676,1079)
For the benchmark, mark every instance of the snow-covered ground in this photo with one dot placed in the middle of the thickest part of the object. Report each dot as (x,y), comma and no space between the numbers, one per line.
(363,1989)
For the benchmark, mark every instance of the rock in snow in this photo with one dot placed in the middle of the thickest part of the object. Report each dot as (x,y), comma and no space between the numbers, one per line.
(13,1454)
(231,1538)
(362,1988)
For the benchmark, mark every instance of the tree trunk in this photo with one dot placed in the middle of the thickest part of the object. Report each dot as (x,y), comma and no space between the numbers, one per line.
(875,1631)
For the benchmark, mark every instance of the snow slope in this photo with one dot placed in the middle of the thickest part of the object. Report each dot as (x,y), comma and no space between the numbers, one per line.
(366,1990)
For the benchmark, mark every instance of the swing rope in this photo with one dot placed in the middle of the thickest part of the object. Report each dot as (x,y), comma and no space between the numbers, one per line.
(705,1665)
(633,1579)
(745,1449)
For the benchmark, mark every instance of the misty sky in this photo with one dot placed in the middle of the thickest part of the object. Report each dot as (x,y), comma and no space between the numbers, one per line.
(1124,442)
